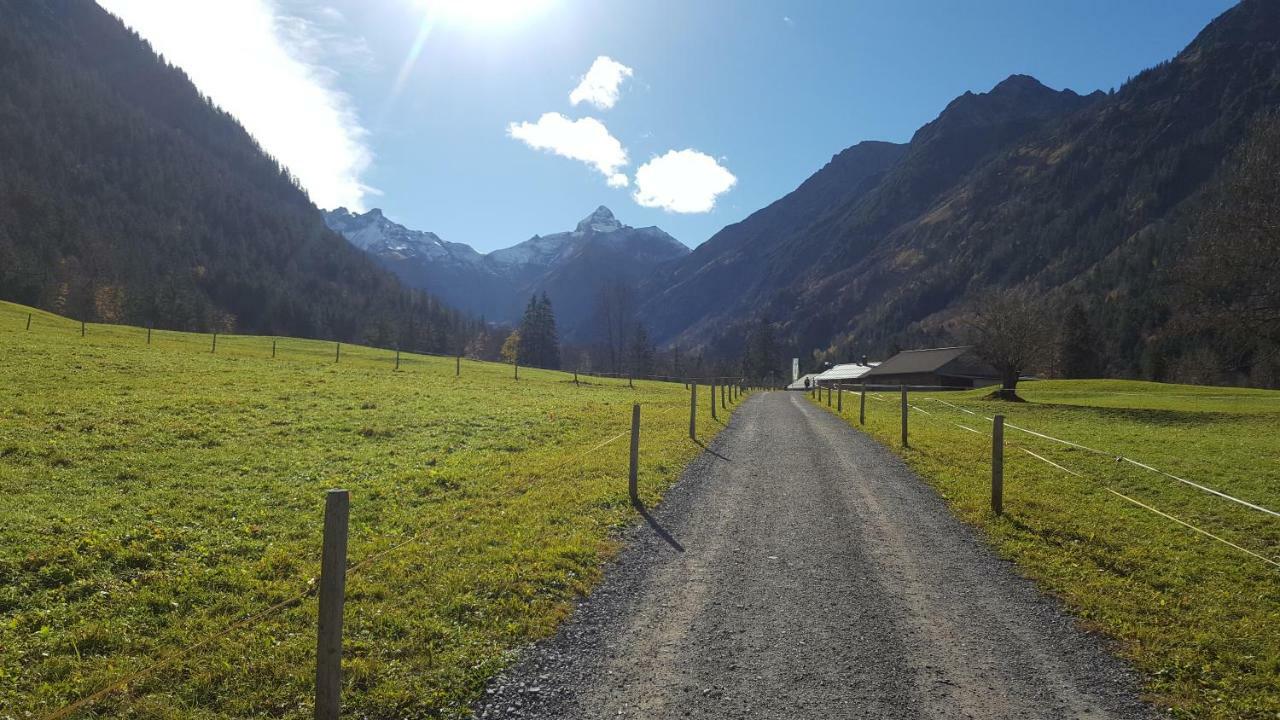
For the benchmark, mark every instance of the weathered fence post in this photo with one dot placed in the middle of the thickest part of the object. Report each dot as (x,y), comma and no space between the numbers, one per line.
(337,352)
(862,405)
(693,411)
(517,363)
(28,322)
(723,404)
(148,334)
(457,366)
(81,328)
(839,399)
(713,402)
(575,377)
(214,348)
(397,358)
(997,465)
(273,347)
(635,454)
(904,417)
(828,396)
(333,585)
(631,381)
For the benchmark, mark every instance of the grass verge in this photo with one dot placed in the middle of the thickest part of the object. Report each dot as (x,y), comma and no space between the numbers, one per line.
(1200,618)
(155,494)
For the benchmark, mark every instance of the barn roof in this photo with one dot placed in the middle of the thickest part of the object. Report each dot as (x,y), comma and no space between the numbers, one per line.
(848,371)
(949,361)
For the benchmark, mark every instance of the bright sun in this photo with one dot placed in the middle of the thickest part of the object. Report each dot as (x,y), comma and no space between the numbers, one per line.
(483,12)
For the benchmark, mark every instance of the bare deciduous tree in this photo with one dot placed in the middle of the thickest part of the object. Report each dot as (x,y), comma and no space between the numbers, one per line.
(614,321)
(1010,332)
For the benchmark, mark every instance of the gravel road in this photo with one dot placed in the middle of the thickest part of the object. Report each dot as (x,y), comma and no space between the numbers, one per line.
(800,570)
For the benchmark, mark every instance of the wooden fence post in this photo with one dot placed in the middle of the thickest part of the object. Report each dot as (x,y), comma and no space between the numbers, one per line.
(630,381)
(862,406)
(575,378)
(457,366)
(904,417)
(81,328)
(828,396)
(693,411)
(333,585)
(397,358)
(713,402)
(273,347)
(337,351)
(28,322)
(148,334)
(214,347)
(997,465)
(839,400)
(635,455)
(723,404)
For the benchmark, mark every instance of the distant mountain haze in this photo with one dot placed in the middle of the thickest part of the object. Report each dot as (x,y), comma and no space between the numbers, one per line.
(571,267)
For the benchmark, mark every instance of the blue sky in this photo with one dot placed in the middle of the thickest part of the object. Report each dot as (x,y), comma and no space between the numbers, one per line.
(763,92)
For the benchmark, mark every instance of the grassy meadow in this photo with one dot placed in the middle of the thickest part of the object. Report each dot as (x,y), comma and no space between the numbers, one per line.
(155,495)
(1200,618)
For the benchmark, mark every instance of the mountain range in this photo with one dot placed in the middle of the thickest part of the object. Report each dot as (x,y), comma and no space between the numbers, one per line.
(127,196)
(571,267)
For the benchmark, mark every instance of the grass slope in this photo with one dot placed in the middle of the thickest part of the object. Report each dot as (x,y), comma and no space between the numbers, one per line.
(156,494)
(1200,618)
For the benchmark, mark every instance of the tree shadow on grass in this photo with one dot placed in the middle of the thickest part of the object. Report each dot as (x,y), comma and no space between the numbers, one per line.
(655,526)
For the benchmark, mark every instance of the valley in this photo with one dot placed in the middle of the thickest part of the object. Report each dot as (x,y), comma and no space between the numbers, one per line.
(976,420)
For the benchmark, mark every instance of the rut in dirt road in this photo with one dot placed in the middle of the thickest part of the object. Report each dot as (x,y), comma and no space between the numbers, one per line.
(800,570)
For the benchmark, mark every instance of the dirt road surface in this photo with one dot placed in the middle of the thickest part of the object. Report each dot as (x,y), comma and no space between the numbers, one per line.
(800,570)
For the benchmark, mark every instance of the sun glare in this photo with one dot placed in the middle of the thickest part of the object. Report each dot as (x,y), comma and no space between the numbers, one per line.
(483,12)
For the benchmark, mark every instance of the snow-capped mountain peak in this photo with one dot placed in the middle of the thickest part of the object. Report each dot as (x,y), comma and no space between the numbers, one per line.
(375,234)
(569,266)
(601,221)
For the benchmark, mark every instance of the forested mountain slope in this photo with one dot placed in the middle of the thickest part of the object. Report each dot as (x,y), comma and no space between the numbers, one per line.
(126,196)
(1093,199)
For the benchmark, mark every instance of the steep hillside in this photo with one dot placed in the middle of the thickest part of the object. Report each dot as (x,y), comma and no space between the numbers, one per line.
(731,268)
(571,267)
(126,196)
(1021,185)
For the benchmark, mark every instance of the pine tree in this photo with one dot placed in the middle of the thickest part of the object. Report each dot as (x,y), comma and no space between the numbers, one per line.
(539,340)
(1078,345)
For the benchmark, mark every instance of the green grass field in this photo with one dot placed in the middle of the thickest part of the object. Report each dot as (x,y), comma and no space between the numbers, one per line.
(154,495)
(1200,618)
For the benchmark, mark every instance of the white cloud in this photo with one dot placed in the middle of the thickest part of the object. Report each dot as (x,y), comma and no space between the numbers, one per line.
(600,86)
(586,140)
(260,65)
(682,181)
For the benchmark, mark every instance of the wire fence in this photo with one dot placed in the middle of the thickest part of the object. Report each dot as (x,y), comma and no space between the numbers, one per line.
(951,412)
(309,587)
(336,352)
